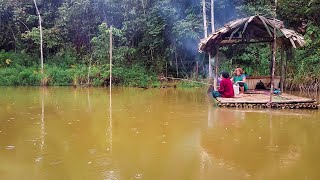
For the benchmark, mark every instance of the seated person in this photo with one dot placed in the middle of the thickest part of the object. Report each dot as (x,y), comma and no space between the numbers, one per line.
(240,79)
(226,88)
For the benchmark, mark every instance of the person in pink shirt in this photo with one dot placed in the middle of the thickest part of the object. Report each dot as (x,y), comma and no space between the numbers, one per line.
(226,88)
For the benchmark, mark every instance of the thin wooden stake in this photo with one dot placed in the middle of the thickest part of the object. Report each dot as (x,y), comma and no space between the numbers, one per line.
(110,53)
(166,69)
(176,57)
(89,71)
(110,89)
(41,40)
(197,70)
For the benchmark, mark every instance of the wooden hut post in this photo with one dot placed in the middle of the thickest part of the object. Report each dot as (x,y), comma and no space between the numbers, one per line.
(210,67)
(274,50)
(216,68)
(286,68)
(282,67)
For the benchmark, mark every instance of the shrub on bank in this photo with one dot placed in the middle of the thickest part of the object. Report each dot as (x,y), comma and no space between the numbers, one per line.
(19,76)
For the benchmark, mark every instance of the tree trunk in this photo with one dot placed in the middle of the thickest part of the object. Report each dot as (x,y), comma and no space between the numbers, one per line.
(144,5)
(212,16)
(215,59)
(176,58)
(205,27)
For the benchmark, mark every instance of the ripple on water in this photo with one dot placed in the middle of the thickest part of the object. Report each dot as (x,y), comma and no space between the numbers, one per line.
(38,159)
(55,162)
(10,147)
(138,176)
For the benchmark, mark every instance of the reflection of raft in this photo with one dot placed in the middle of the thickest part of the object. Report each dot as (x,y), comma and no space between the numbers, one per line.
(260,99)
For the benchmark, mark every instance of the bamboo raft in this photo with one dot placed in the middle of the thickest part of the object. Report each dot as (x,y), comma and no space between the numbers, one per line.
(260,99)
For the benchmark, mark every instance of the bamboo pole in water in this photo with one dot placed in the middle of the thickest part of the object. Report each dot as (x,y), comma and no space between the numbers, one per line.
(110,53)
(89,71)
(110,89)
(274,50)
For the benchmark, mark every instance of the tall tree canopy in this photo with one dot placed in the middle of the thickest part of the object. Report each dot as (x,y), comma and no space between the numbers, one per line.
(152,34)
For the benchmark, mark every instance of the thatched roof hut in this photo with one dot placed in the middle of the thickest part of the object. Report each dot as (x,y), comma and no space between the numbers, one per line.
(252,29)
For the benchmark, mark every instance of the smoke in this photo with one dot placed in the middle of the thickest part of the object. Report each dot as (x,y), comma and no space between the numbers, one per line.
(226,11)
(185,31)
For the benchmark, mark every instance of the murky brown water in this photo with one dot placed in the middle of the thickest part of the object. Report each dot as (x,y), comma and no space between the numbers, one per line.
(156,134)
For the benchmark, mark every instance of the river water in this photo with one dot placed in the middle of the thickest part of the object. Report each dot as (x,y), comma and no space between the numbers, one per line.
(154,134)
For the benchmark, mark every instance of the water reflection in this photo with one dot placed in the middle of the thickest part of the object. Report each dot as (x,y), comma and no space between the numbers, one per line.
(150,134)
(42,137)
(248,147)
(42,127)
(110,120)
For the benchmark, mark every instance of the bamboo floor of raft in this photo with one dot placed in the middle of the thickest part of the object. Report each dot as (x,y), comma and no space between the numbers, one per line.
(260,99)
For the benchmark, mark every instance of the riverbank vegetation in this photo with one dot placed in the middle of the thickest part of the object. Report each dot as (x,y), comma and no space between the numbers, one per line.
(152,38)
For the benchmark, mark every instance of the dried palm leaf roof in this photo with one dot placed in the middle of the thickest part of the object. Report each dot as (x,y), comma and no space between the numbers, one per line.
(250,30)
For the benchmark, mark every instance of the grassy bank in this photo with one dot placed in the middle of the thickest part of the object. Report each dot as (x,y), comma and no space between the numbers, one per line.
(75,76)
(19,69)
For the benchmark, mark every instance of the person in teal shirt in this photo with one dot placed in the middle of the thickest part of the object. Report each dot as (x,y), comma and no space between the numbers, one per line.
(240,79)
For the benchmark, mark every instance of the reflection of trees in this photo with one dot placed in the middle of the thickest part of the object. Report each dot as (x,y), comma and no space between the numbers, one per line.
(41,152)
(113,173)
(154,139)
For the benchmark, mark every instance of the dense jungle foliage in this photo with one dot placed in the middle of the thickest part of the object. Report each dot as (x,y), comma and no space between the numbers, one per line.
(151,38)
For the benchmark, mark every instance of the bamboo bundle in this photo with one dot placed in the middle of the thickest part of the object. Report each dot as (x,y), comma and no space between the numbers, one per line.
(273,105)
